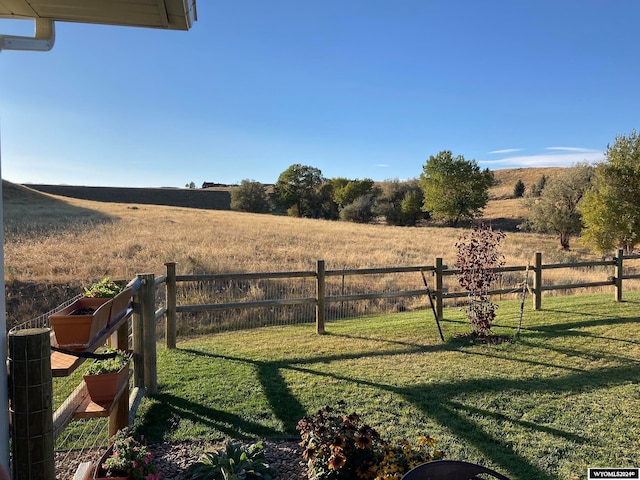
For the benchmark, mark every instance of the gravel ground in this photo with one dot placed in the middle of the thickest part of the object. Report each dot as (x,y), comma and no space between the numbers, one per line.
(173,458)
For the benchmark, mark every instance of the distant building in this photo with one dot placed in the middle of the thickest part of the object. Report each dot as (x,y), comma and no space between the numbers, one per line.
(209,185)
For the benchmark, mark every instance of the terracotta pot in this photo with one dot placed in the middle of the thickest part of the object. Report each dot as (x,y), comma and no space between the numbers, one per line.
(75,326)
(119,305)
(100,474)
(103,388)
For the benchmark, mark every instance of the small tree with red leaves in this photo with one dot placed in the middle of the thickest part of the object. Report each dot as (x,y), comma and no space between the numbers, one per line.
(477,258)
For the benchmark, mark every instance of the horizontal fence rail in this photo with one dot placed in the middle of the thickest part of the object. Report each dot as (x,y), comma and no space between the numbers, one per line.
(339,293)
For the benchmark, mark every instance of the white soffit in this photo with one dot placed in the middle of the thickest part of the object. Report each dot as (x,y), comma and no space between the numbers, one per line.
(167,14)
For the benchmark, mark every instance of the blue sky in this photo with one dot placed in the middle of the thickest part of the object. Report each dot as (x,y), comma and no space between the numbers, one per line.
(356,88)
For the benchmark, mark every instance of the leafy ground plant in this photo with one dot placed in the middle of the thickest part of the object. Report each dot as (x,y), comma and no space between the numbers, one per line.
(234,462)
(340,446)
(130,458)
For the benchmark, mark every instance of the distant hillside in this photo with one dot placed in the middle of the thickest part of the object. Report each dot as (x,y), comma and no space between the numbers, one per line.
(33,209)
(173,197)
(503,210)
(506,179)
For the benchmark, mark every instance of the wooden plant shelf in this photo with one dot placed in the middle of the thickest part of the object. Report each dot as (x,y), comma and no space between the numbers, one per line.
(63,365)
(90,409)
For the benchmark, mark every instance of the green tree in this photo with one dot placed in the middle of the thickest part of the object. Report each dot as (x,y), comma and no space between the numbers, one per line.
(326,207)
(345,191)
(610,209)
(557,208)
(400,202)
(250,196)
(297,190)
(518,189)
(190,185)
(454,189)
(536,188)
(360,210)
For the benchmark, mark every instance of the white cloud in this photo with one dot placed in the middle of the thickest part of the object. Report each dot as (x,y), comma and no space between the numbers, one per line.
(382,165)
(507,150)
(546,160)
(572,149)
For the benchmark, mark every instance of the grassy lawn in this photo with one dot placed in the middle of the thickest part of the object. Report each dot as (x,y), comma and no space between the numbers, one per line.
(563,397)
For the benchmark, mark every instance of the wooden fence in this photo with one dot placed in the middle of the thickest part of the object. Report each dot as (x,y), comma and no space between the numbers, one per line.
(37,420)
(138,332)
(320,299)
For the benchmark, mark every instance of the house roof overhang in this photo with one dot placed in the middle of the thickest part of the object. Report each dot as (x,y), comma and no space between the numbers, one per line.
(164,14)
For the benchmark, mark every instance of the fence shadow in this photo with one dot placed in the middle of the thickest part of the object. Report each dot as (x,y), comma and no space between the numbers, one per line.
(435,401)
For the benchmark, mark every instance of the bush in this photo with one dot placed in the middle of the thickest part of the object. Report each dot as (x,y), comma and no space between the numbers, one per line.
(250,196)
(130,458)
(360,211)
(400,202)
(340,446)
(234,462)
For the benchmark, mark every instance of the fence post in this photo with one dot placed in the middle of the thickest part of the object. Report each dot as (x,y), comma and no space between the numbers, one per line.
(438,292)
(138,338)
(170,286)
(618,278)
(537,282)
(32,404)
(148,299)
(320,291)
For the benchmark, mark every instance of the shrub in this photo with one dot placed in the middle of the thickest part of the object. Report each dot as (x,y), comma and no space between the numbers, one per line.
(359,211)
(250,196)
(234,462)
(131,458)
(400,202)
(340,446)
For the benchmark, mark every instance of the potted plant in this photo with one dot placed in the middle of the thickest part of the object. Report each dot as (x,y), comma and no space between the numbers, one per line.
(126,459)
(107,288)
(105,377)
(76,325)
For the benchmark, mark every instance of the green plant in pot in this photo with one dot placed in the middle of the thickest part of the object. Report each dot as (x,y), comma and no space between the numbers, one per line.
(105,288)
(106,377)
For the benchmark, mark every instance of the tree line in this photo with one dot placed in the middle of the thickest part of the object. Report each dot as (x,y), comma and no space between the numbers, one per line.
(450,189)
(598,202)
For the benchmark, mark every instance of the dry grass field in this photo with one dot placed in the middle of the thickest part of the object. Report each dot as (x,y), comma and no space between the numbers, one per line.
(54,245)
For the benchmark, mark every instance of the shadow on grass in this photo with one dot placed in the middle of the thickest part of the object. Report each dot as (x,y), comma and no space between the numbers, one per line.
(436,401)
(167,410)
(33,214)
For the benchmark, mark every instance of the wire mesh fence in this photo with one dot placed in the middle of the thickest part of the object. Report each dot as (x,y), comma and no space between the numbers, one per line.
(74,440)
